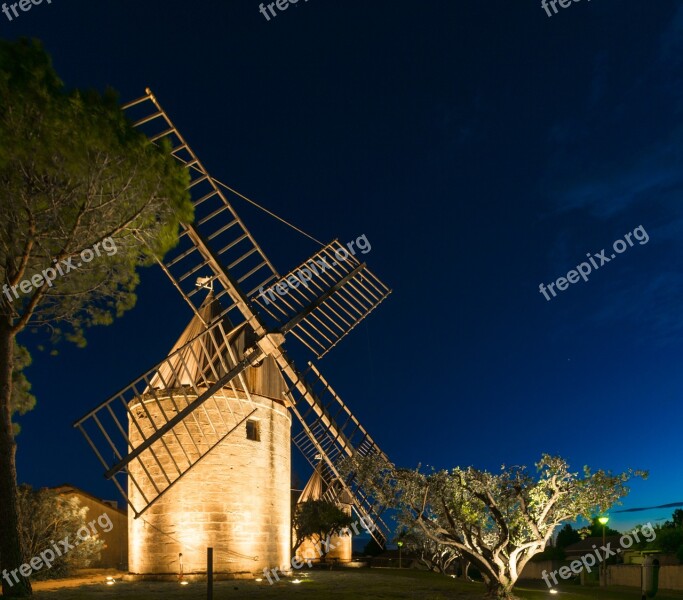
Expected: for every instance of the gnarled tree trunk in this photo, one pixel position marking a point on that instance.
(499, 586)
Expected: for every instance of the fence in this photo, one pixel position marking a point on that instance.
(670, 576)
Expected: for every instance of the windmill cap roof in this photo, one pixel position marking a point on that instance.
(200, 359)
(316, 488)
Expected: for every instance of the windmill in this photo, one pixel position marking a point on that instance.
(230, 363)
(340, 546)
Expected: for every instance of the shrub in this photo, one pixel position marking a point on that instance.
(47, 517)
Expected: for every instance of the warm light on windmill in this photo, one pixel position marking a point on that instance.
(215, 417)
(205, 282)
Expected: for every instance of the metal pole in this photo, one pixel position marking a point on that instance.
(642, 581)
(209, 574)
(604, 564)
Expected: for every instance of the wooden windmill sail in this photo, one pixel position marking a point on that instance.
(219, 250)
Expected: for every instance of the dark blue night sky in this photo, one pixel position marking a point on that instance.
(483, 148)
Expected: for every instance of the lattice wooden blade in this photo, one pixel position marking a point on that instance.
(171, 430)
(329, 431)
(157, 428)
(217, 246)
(323, 299)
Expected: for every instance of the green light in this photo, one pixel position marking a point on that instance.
(400, 544)
(603, 520)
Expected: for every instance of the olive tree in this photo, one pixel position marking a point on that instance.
(47, 516)
(435, 556)
(497, 521)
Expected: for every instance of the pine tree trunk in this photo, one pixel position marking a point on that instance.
(10, 544)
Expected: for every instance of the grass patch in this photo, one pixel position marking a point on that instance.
(341, 584)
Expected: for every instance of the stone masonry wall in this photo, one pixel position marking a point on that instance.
(236, 500)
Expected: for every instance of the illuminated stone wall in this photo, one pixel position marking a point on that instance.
(236, 500)
(341, 546)
(342, 550)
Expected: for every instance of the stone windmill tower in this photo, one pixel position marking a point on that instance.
(340, 547)
(199, 445)
(237, 499)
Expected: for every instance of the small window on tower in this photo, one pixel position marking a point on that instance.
(253, 430)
